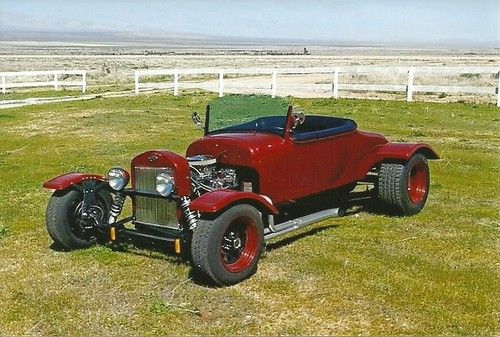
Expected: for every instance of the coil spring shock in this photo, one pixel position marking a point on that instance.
(189, 216)
(116, 207)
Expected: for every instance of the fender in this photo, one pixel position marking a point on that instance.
(403, 151)
(69, 179)
(215, 201)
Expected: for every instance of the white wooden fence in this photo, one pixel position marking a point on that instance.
(37, 81)
(409, 87)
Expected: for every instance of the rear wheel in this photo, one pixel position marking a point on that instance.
(65, 223)
(405, 187)
(228, 248)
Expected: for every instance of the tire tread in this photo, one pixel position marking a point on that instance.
(390, 184)
(393, 184)
(199, 248)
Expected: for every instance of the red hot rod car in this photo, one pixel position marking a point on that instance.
(254, 175)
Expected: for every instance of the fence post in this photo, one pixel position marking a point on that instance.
(498, 89)
(3, 84)
(409, 87)
(335, 84)
(273, 84)
(84, 81)
(56, 83)
(221, 83)
(136, 81)
(176, 84)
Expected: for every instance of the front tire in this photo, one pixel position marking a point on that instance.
(405, 187)
(63, 218)
(228, 248)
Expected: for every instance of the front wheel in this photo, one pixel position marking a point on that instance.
(405, 187)
(65, 223)
(228, 248)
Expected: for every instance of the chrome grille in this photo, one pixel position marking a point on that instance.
(153, 211)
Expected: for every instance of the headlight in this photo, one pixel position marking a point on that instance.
(164, 184)
(118, 178)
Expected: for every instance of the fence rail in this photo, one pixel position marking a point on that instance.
(409, 87)
(56, 82)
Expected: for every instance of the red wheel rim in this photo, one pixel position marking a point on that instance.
(418, 182)
(239, 245)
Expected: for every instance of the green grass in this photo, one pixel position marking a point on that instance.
(436, 273)
(63, 91)
(37, 93)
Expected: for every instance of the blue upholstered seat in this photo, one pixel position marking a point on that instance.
(315, 127)
(274, 124)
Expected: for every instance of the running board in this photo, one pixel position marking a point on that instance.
(291, 225)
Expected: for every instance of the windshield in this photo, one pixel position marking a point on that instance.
(247, 113)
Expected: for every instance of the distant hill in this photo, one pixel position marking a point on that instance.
(132, 37)
(181, 40)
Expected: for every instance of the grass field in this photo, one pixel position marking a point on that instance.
(436, 273)
(63, 92)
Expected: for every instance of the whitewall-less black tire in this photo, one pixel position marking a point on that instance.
(62, 220)
(228, 248)
(404, 187)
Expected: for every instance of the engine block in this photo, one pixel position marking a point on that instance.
(207, 175)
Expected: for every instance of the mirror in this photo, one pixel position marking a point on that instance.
(298, 118)
(196, 119)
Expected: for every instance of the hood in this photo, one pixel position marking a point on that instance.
(237, 149)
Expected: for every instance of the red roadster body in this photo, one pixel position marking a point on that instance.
(251, 177)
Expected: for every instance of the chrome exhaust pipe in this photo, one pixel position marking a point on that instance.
(294, 224)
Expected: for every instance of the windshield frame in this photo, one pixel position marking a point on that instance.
(247, 113)
(275, 124)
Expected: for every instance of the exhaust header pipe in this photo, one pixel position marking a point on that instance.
(294, 224)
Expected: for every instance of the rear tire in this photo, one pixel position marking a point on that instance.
(227, 249)
(62, 218)
(404, 187)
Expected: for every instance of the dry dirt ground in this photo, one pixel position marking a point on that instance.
(111, 70)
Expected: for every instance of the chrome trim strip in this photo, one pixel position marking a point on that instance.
(294, 224)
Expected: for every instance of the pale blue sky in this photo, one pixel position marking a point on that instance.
(378, 21)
